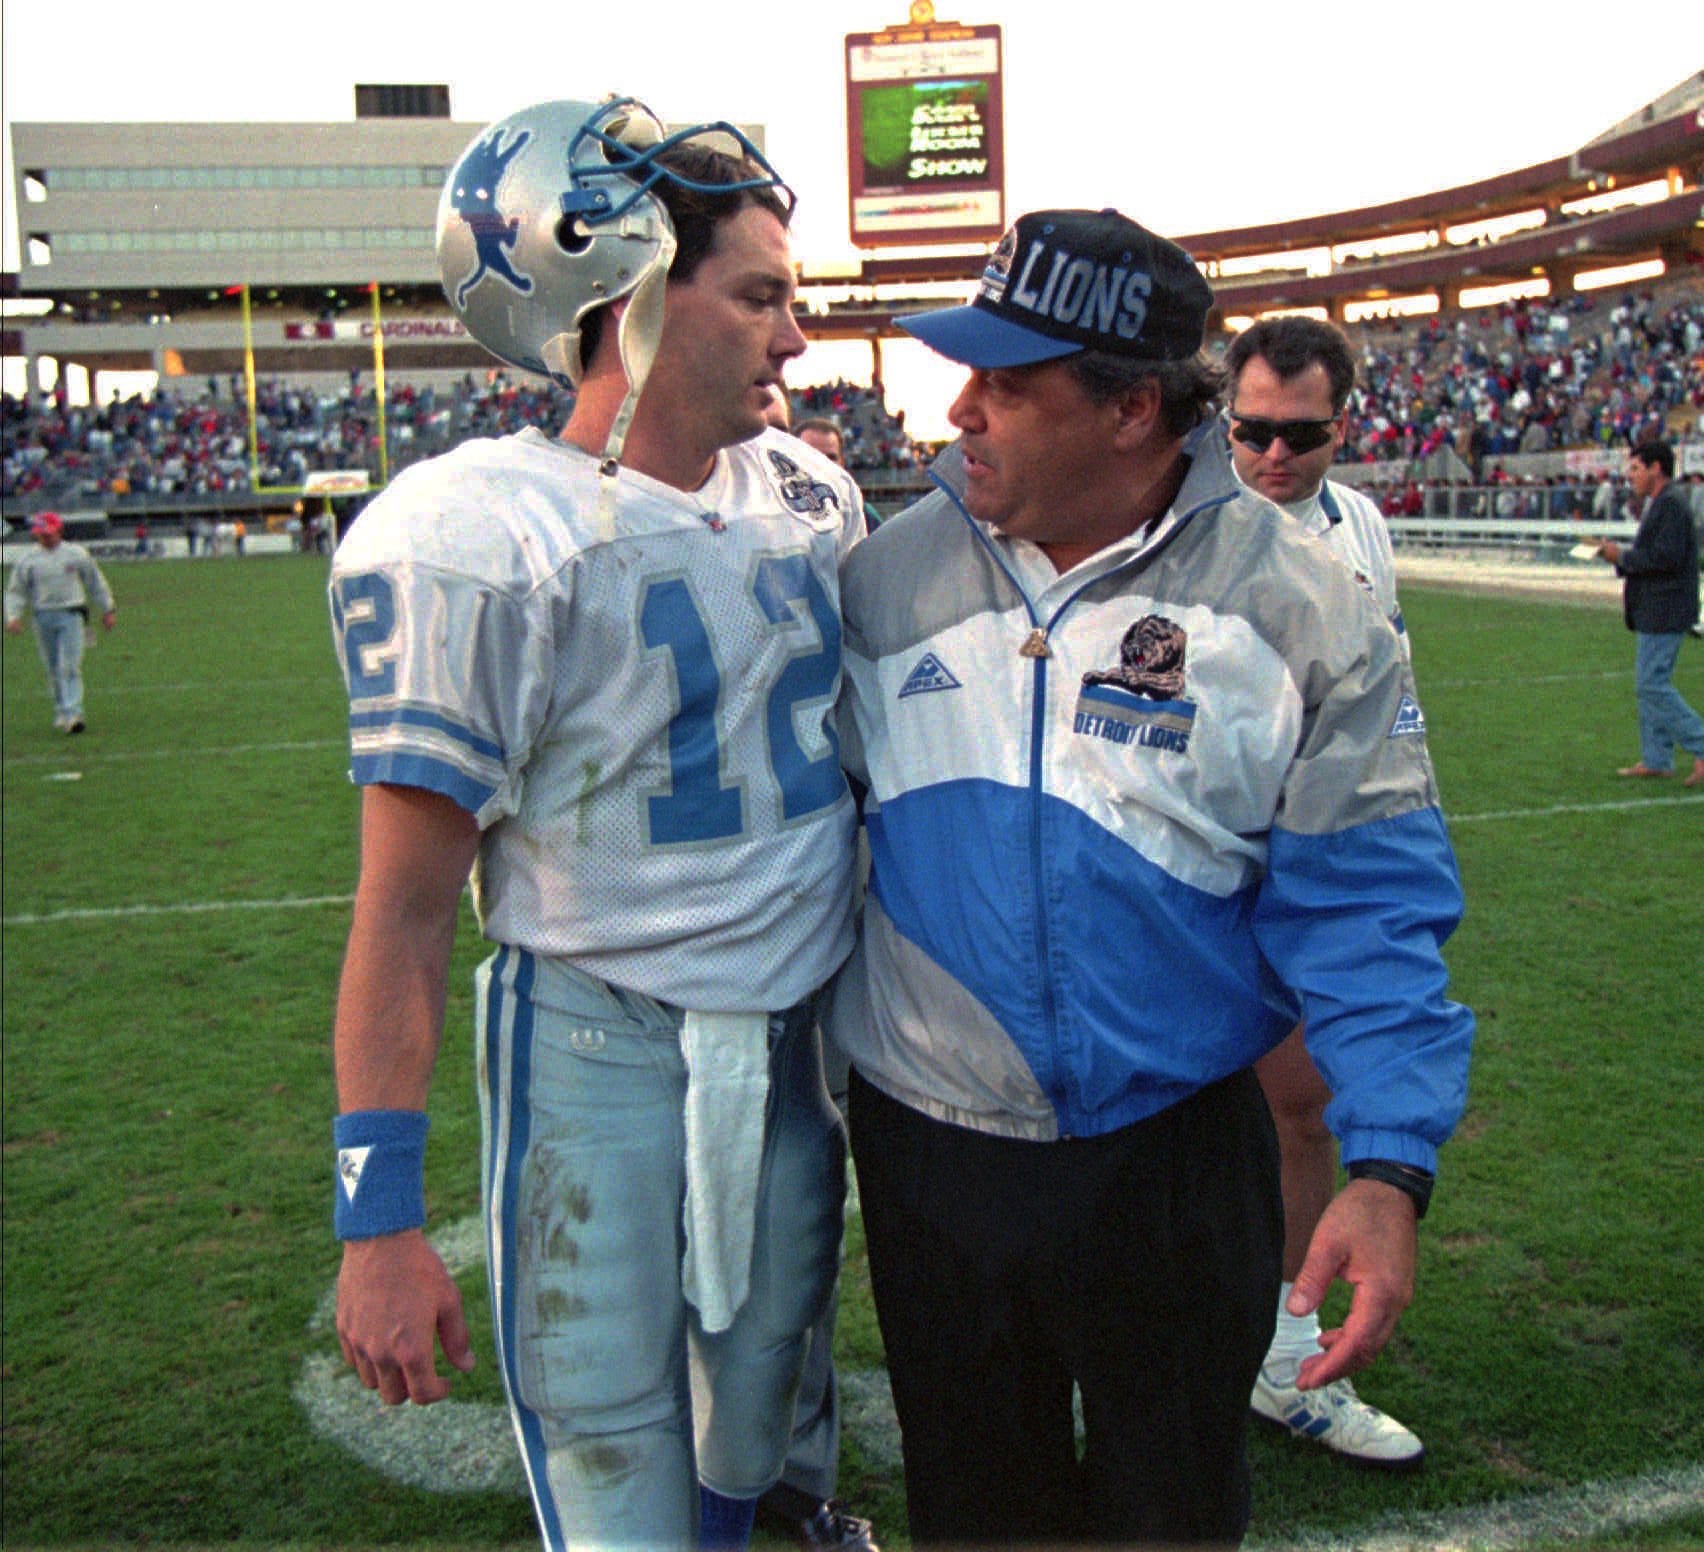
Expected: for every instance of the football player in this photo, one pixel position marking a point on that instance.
(598, 668)
(1289, 390)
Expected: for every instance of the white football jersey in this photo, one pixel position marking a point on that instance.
(1354, 530)
(642, 725)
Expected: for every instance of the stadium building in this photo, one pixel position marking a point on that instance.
(202, 252)
(138, 239)
(173, 248)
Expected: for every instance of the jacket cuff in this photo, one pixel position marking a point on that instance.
(1399, 1147)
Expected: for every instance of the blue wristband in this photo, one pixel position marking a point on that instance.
(381, 1166)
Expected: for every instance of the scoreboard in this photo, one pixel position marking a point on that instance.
(925, 155)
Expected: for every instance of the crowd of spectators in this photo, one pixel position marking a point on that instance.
(171, 445)
(871, 436)
(1530, 376)
(1600, 499)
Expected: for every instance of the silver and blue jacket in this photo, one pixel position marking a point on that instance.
(1128, 823)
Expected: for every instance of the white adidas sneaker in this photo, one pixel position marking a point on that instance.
(1333, 1415)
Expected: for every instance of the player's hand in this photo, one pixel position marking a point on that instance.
(393, 1297)
(110, 618)
(1366, 1237)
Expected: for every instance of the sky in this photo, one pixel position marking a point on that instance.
(1186, 117)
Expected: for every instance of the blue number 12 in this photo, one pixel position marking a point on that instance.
(699, 806)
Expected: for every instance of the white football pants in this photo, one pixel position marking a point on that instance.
(621, 1402)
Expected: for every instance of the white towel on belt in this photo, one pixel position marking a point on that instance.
(727, 1089)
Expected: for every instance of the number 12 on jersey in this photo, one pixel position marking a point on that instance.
(699, 805)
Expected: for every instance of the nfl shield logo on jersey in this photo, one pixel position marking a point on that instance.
(801, 493)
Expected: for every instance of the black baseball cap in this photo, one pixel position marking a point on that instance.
(1061, 281)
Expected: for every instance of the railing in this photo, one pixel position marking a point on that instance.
(1546, 534)
(1551, 518)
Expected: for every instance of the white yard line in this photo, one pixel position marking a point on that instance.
(82, 754)
(1497, 816)
(175, 908)
(306, 902)
(1502, 680)
(212, 687)
(463, 1447)
(1571, 1514)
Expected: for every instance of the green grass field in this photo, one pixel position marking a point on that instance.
(176, 888)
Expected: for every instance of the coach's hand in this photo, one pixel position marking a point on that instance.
(393, 1297)
(1366, 1237)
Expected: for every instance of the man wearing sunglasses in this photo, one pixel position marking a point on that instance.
(1288, 394)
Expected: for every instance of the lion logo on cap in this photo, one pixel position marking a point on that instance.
(999, 269)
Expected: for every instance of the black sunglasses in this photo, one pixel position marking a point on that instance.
(1300, 436)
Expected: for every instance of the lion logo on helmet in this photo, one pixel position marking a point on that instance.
(474, 198)
(1150, 660)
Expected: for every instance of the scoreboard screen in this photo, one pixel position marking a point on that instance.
(924, 149)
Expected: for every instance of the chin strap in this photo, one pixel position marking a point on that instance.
(638, 335)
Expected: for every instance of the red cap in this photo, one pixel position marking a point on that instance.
(47, 522)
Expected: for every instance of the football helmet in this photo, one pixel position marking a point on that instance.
(550, 213)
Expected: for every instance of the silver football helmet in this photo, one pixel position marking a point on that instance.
(551, 213)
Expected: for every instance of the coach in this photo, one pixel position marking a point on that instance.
(1138, 753)
(1660, 602)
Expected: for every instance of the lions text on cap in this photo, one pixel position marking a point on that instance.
(1070, 288)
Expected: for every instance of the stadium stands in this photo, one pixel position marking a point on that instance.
(151, 452)
(1531, 377)
(1487, 389)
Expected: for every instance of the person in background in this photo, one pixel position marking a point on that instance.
(57, 583)
(1289, 386)
(1660, 605)
(827, 438)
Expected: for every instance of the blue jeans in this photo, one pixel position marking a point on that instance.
(1665, 720)
(59, 635)
(621, 1401)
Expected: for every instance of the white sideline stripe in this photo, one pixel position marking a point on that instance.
(1567, 1514)
(457, 1447)
(84, 756)
(180, 908)
(1494, 816)
(301, 902)
(211, 686)
(1505, 681)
